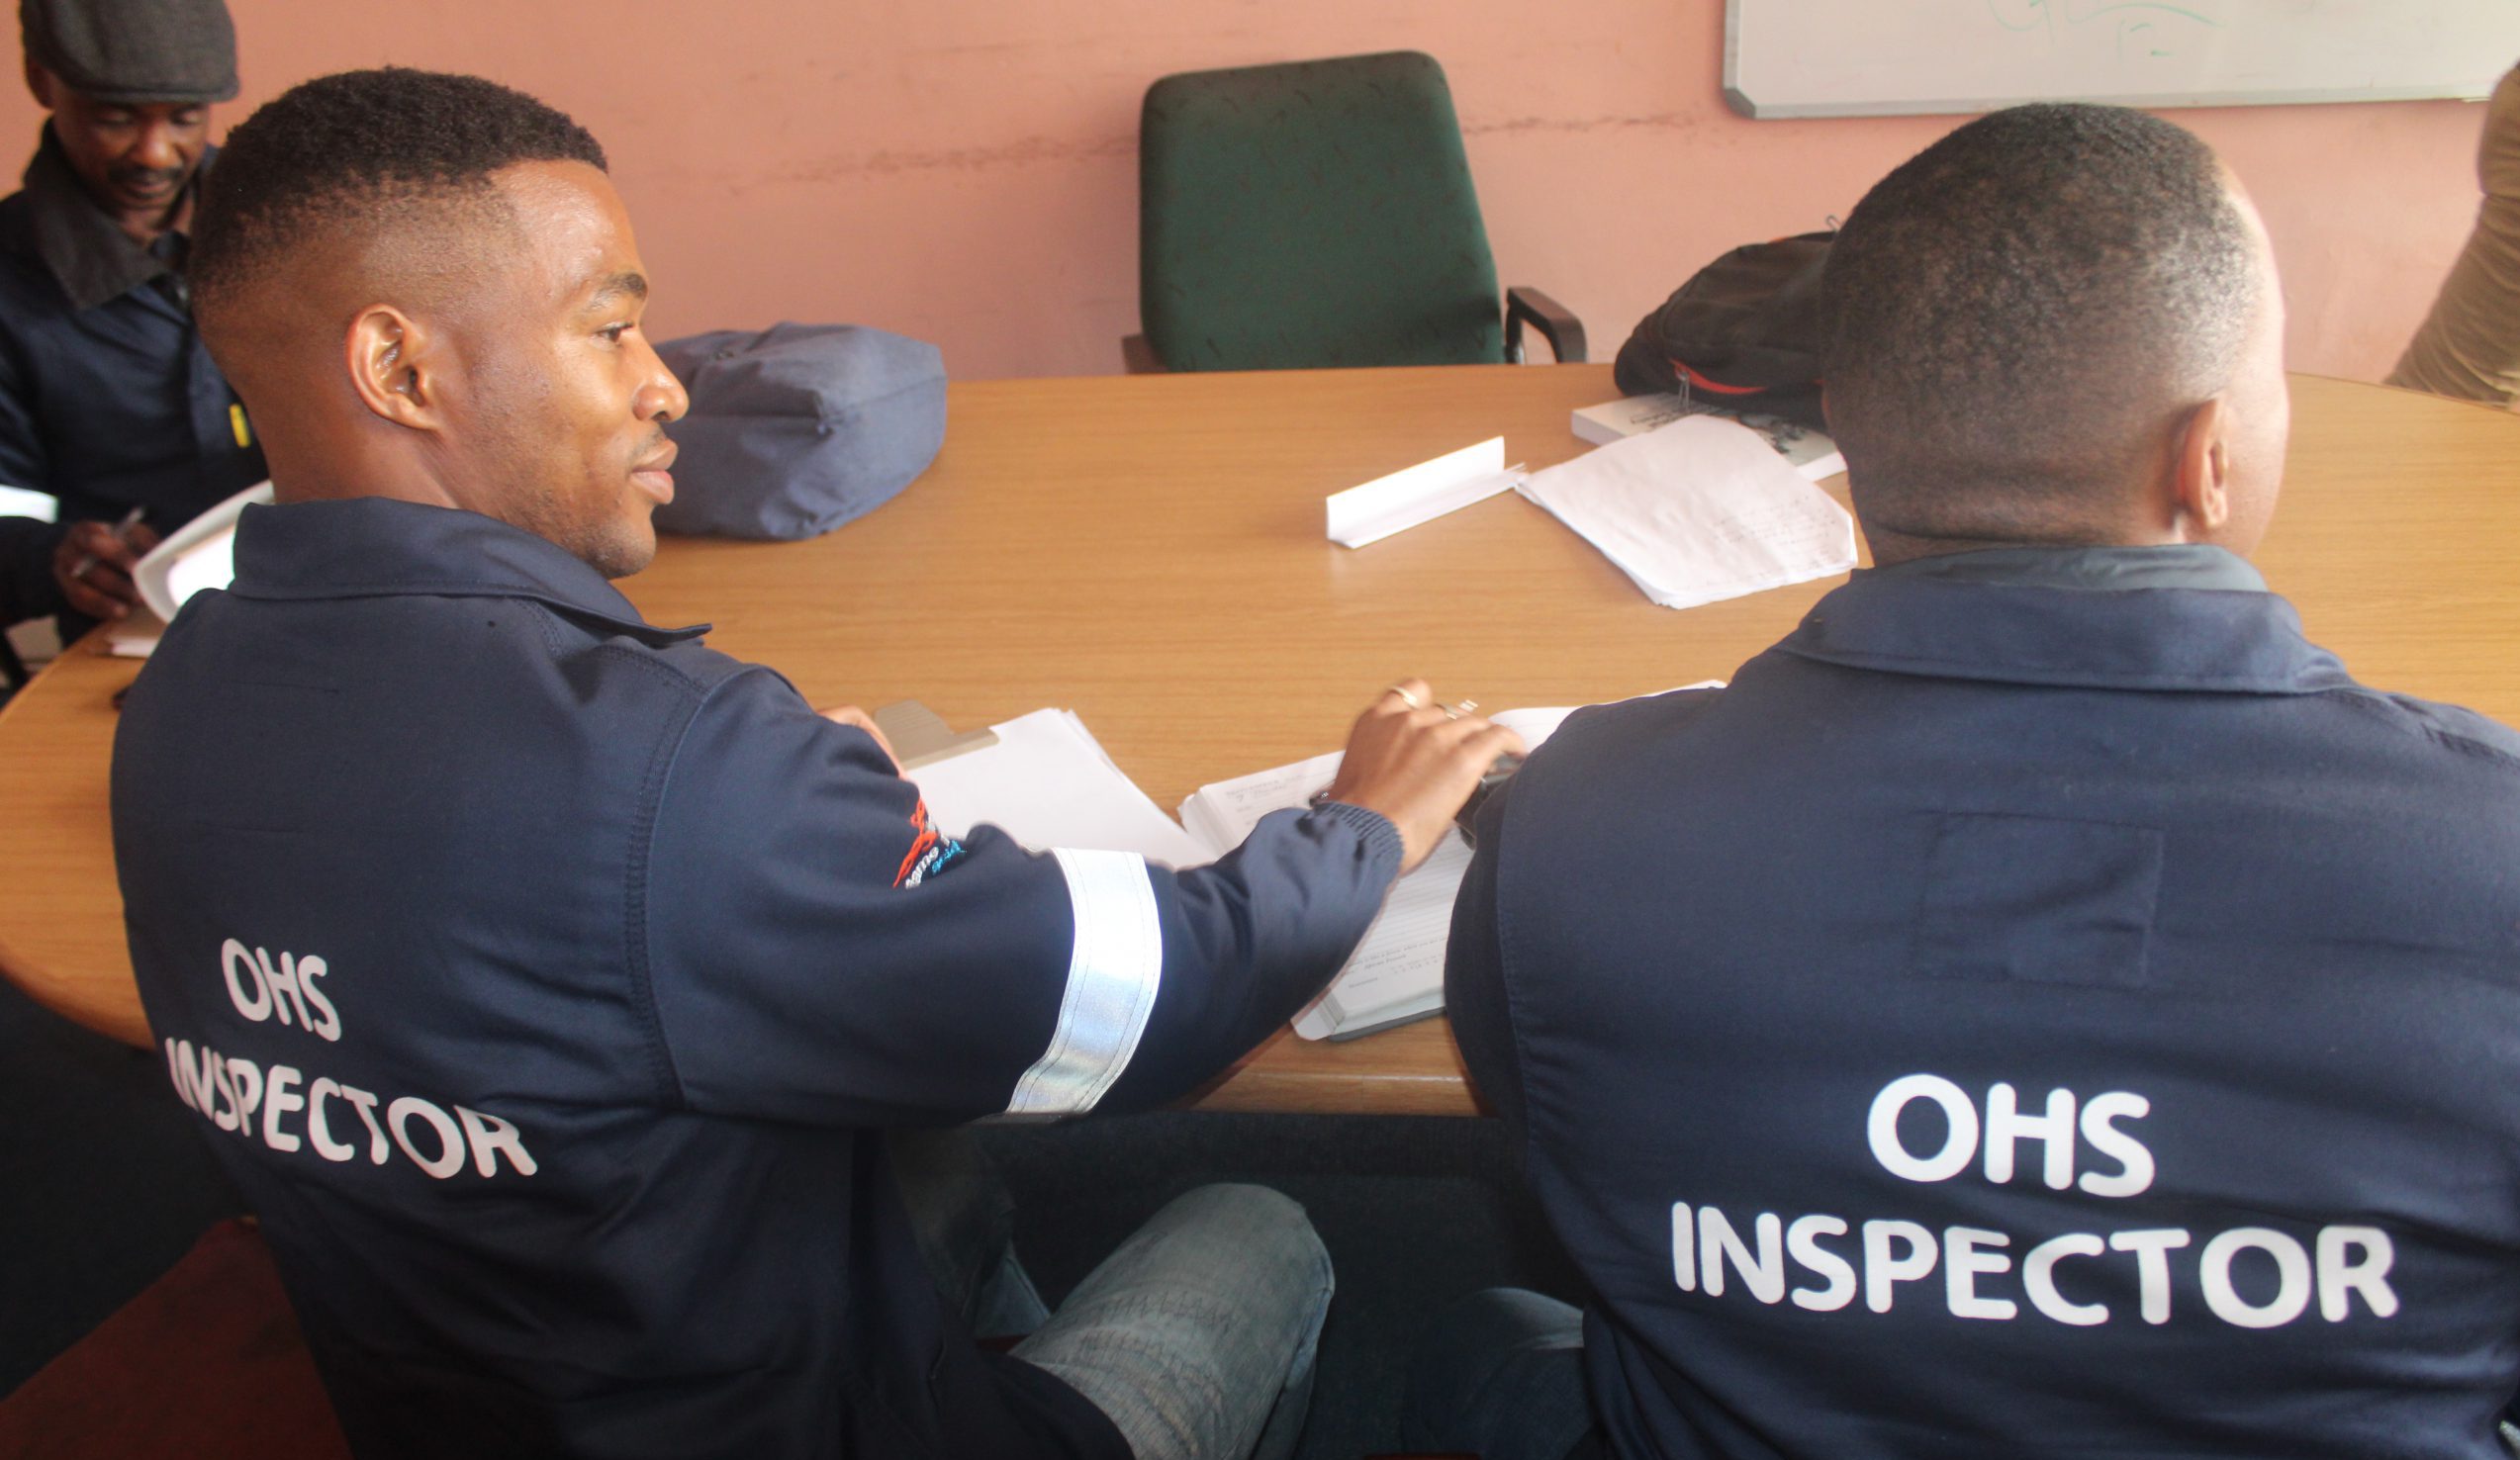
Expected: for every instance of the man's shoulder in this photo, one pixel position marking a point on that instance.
(21, 266)
(1599, 732)
(17, 222)
(2446, 729)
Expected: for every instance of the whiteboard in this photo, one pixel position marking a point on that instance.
(1876, 58)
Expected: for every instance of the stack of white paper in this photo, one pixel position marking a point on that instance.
(201, 554)
(1048, 784)
(136, 634)
(1813, 453)
(1396, 973)
(1699, 511)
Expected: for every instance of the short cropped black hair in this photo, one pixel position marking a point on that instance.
(2010, 317)
(352, 147)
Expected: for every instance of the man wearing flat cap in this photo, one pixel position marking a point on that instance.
(108, 402)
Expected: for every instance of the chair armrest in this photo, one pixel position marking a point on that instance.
(1137, 356)
(1564, 331)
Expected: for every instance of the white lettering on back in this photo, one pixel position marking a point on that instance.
(451, 1140)
(2054, 1131)
(2292, 1278)
(1882, 1271)
(231, 957)
(2152, 1247)
(2038, 1279)
(1958, 1146)
(489, 1136)
(2340, 1279)
(1763, 1272)
(277, 1101)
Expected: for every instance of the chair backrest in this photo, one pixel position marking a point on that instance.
(1312, 214)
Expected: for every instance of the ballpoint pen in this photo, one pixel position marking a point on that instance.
(130, 519)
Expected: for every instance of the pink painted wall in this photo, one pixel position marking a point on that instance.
(965, 170)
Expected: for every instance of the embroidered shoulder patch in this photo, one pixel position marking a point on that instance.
(930, 849)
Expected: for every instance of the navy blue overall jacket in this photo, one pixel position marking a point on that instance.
(2043, 1006)
(542, 978)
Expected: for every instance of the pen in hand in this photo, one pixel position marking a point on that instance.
(130, 519)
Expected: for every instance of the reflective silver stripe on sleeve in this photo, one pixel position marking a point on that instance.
(1113, 972)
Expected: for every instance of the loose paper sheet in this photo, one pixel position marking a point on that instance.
(1048, 784)
(1697, 510)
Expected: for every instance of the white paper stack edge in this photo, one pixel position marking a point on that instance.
(1811, 452)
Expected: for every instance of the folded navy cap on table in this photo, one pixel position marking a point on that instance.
(798, 428)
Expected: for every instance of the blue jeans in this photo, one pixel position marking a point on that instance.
(1195, 1337)
(1501, 1375)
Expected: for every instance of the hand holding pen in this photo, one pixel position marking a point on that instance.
(93, 565)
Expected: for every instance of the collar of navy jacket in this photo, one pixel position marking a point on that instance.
(2000, 615)
(371, 547)
(85, 250)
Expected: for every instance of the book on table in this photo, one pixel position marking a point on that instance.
(1810, 452)
(1396, 974)
(1044, 779)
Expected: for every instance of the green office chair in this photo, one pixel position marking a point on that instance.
(1316, 213)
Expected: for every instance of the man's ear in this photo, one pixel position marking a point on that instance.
(2201, 472)
(38, 83)
(395, 365)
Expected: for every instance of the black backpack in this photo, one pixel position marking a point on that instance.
(1743, 334)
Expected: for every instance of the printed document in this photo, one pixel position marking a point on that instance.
(1396, 974)
(1697, 510)
(1047, 783)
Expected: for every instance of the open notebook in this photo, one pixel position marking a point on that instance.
(1396, 973)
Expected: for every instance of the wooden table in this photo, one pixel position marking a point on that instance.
(1148, 552)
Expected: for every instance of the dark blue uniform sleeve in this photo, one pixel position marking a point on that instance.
(24, 462)
(816, 951)
(27, 589)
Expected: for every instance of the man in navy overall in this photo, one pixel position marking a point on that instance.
(109, 400)
(2044, 1006)
(548, 981)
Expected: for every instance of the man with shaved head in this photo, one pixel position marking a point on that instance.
(2044, 1006)
(549, 981)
